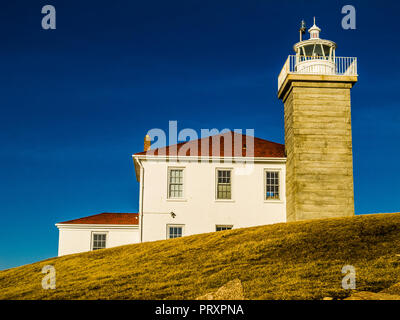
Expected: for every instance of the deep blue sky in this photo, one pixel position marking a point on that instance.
(76, 101)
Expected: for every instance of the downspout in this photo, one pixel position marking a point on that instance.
(141, 198)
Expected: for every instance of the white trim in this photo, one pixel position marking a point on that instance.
(176, 200)
(274, 201)
(96, 226)
(213, 158)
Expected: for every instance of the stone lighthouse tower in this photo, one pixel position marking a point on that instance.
(315, 85)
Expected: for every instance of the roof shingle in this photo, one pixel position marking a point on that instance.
(204, 147)
(107, 218)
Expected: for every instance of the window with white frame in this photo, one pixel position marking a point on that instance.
(223, 227)
(175, 183)
(99, 241)
(272, 186)
(224, 184)
(174, 231)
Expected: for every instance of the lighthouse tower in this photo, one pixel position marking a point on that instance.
(315, 85)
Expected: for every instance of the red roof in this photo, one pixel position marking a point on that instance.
(107, 218)
(262, 148)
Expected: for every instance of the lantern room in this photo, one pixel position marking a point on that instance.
(315, 55)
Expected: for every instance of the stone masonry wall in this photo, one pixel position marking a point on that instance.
(319, 178)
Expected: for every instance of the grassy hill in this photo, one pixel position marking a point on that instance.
(300, 260)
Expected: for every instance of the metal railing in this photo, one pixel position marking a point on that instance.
(341, 66)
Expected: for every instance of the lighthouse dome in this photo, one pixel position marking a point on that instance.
(314, 31)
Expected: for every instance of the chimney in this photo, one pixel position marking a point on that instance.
(147, 142)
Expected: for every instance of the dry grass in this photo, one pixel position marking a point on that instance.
(301, 260)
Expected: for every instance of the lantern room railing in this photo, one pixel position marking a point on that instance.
(296, 64)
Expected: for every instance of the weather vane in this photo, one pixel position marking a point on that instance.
(302, 29)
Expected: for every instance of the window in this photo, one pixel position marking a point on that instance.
(224, 184)
(272, 185)
(174, 231)
(223, 227)
(99, 241)
(175, 183)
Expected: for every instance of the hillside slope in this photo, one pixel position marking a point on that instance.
(300, 260)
